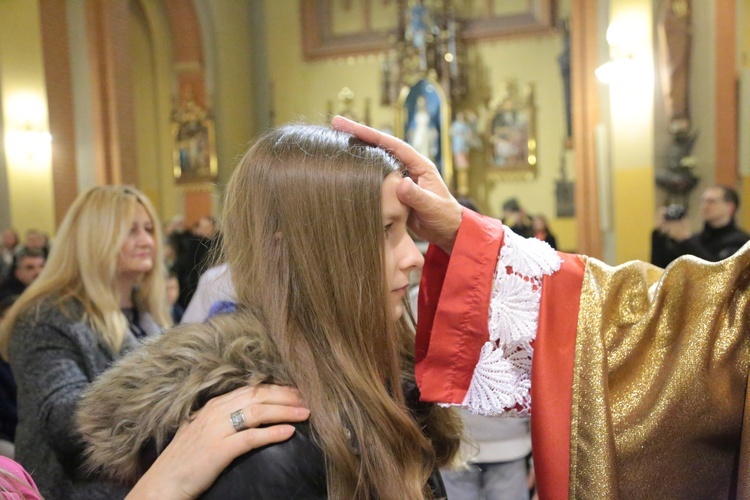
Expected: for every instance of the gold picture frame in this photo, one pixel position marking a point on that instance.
(194, 152)
(320, 40)
(423, 119)
(511, 141)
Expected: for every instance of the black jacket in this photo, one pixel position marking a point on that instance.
(8, 405)
(711, 244)
(11, 286)
(292, 469)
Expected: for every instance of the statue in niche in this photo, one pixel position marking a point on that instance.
(674, 39)
(674, 42)
(563, 60)
(463, 138)
(423, 134)
(194, 153)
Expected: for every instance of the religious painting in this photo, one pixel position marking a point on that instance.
(511, 132)
(336, 28)
(194, 152)
(423, 120)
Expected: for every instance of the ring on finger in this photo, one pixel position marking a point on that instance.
(238, 420)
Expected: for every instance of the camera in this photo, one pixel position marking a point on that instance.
(675, 212)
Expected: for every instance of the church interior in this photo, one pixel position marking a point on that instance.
(593, 113)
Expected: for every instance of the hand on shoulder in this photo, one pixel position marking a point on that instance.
(207, 444)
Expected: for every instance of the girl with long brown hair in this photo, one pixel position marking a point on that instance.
(320, 257)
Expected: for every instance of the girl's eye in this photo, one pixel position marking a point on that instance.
(387, 229)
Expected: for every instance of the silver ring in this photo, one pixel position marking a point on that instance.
(238, 420)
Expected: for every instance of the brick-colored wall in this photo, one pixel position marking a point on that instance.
(60, 104)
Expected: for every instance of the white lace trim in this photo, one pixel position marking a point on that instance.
(501, 383)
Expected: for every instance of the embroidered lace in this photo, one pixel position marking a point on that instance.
(501, 382)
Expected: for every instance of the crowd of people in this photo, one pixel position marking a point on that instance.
(309, 304)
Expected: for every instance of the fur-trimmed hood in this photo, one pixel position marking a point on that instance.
(140, 402)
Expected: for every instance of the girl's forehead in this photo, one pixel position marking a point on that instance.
(392, 206)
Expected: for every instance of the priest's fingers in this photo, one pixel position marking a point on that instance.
(417, 164)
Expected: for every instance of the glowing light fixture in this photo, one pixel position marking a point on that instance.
(623, 37)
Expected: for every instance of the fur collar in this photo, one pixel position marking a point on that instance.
(142, 400)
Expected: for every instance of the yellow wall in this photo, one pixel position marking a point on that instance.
(152, 79)
(302, 90)
(24, 105)
(227, 54)
(233, 91)
(632, 132)
(507, 60)
(633, 210)
(743, 49)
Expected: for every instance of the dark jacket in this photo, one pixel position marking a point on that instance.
(11, 286)
(711, 244)
(231, 350)
(8, 405)
(55, 355)
(192, 254)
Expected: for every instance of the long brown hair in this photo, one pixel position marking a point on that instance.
(304, 242)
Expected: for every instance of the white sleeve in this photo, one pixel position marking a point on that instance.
(214, 285)
(501, 382)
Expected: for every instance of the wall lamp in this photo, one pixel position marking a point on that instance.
(27, 144)
(623, 38)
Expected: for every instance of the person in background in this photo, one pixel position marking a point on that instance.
(719, 238)
(214, 287)
(541, 230)
(15, 482)
(8, 404)
(8, 247)
(467, 202)
(27, 267)
(37, 240)
(173, 291)
(192, 256)
(516, 218)
(101, 292)
(205, 227)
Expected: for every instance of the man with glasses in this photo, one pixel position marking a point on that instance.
(719, 239)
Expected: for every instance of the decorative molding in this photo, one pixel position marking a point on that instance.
(319, 41)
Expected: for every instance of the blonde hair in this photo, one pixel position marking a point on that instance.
(305, 248)
(82, 265)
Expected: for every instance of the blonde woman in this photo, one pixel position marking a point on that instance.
(101, 291)
(319, 255)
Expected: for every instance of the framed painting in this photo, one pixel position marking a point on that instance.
(423, 119)
(511, 133)
(341, 28)
(502, 18)
(332, 28)
(194, 154)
